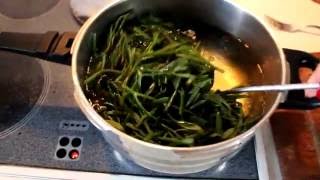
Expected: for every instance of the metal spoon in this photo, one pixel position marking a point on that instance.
(310, 29)
(277, 87)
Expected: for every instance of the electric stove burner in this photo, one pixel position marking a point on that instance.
(22, 9)
(23, 86)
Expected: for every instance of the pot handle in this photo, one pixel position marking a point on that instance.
(296, 99)
(50, 46)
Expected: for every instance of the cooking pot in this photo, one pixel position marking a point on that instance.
(269, 66)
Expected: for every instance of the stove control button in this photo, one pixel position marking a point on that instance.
(61, 153)
(64, 141)
(76, 142)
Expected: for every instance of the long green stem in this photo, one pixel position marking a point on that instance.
(150, 81)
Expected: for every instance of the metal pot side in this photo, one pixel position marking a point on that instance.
(221, 13)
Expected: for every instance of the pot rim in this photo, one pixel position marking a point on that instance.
(104, 126)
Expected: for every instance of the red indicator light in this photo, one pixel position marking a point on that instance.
(73, 154)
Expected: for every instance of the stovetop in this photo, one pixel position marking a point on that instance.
(40, 123)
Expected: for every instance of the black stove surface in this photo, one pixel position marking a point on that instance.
(40, 121)
(22, 90)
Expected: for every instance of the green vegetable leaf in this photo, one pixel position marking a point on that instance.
(116, 125)
(149, 80)
(190, 126)
(229, 133)
(218, 123)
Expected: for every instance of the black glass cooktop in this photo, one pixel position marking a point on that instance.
(22, 83)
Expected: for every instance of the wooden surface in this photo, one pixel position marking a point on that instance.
(316, 1)
(295, 145)
(318, 53)
(315, 114)
(297, 140)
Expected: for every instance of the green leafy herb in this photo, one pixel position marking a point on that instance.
(150, 81)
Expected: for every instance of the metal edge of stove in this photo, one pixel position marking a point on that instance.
(266, 156)
(10, 172)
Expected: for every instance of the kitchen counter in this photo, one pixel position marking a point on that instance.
(298, 12)
(30, 152)
(294, 150)
(296, 134)
(285, 10)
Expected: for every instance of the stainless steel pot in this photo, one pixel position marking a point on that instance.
(227, 16)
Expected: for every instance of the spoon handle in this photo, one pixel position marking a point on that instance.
(283, 87)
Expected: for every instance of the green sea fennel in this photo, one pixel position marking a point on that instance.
(150, 81)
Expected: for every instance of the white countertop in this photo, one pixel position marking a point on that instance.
(300, 12)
